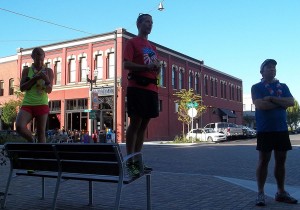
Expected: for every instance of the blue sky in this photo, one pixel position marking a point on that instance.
(233, 36)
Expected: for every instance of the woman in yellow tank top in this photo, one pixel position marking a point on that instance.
(36, 82)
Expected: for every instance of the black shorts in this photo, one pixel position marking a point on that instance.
(268, 141)
(141, 102)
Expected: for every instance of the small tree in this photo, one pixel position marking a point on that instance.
(185, 97)
(10, 109)
(293, 116)
(9, 112)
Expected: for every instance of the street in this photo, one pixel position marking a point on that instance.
(185, 177)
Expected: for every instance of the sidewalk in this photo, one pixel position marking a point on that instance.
(183, 179)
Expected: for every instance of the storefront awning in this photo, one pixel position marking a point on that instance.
(227, 112)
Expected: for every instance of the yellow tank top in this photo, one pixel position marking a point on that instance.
(37, 94)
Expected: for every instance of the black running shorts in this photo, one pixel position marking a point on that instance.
(141, 102)
(268, 141)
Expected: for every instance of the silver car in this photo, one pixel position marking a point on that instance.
(206, 134)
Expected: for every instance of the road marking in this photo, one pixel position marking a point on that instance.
(270, 189)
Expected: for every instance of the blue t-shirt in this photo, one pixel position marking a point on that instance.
(273, 119)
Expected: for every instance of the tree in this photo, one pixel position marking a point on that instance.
(9, 112)
(185, 98)
(293, 116)
(10, 108)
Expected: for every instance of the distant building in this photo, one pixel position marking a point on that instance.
(248, 111)
(71, 101)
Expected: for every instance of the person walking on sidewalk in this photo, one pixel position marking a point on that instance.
(36, 81)
(271, 99)
(140, 59)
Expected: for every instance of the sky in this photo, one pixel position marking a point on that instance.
(232, 36)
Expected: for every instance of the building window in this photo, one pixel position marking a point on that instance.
(99, 65)
(55, 105)
(216, 88)
(162, 77)
(221, 88)
(181, 80)
(191, 80)
(160, 108)
(232, 92)
(211, 87)
(225, 90)
(75, 104)
(72, 70)
(48, 65)
(1, 88)
(83, 68)
(111, 65)
(240, 91)
(174, 78)
(11, 86)
(176, 107)
(206, 85)
(197, 89)
(57, 73)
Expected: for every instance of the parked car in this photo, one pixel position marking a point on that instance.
(206, 134)
(229, 129)
(297, 130)
(249, 132)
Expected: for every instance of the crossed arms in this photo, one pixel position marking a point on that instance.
(272, 102)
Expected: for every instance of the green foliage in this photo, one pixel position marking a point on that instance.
(10, 108)
(182, 139)
(293, 116)
(10, 138)
(9, 111)
(185, 97)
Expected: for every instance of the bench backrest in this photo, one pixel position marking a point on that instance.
(104, 159)
(31, 156)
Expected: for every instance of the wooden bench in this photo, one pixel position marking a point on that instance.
(88, 162)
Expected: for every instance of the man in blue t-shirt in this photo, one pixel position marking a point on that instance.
(271, 99)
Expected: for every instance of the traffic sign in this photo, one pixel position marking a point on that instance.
(92, 115)
(192, 112)
(192, 104)
(90, 110)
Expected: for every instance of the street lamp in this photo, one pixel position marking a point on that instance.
(91, 81)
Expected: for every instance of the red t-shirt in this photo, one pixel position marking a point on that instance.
(140, 51)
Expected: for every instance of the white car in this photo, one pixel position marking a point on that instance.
(206, 134)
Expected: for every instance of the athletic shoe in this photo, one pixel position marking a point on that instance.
(133, 170)
(285, 197)
(260, 200)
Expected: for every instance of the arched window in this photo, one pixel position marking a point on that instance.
(11, 86)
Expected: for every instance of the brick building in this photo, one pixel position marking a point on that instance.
(73, 96)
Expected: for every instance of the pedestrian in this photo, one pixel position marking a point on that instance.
(140, 59)
(36, 82)
(271, 99)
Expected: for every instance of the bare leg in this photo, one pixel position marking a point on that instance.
(22, 121)
(131, 133)
(41, 122)
(262, 170)
(141, 135)
(279, 170)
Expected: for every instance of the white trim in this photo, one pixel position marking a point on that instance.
(9, 58)
(97, 52)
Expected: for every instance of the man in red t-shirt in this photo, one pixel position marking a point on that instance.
(142, 92)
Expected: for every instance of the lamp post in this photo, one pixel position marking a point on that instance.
(91, 81)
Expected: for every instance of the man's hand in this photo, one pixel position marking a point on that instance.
(155, 66)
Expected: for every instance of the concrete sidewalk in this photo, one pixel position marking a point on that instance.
(189, 177)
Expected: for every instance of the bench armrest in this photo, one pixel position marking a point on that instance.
(136, 156)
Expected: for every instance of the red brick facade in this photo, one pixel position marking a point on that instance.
(70, 98)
